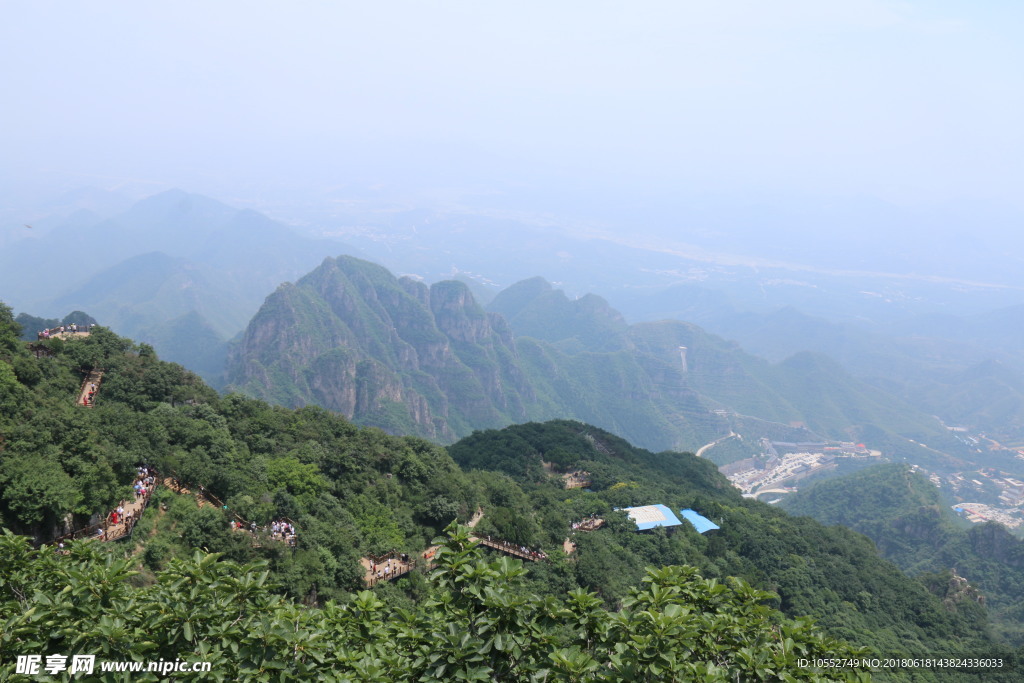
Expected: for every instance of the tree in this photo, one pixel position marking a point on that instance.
(476, 623)
(37, 490)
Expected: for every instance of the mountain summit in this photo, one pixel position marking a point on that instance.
(388, 352)
(394, 353)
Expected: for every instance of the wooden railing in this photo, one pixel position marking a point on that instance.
(512, 549)
(106, 530)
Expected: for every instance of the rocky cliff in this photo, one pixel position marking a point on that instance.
(384, 351)
(428, 360)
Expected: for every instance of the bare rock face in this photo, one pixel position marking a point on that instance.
(960, 591)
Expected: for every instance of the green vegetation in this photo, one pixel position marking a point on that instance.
(393, 353)
(355, 491)
(902, 512)
(833, 574)
(350, 490)
(475, 622)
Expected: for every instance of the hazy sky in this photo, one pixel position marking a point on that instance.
(910, 102)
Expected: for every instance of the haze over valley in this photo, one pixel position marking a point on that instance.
(348, 276)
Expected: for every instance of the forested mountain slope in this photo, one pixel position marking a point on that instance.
(475, 622)
(902, 512)
(353, 491)
(967, 369)
(855, 595)
(394, 353)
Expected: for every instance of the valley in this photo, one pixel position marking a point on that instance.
(562, 342)
(429, 363)
(775, 472)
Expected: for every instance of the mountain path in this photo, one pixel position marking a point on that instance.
(398, 567)
(702, 449)
(92, 381)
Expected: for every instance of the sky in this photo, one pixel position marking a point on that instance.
(916, 104)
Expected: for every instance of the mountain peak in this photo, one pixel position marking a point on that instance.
(514, 298)
(175, 205)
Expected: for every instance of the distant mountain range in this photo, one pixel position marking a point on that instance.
(395, 353)
(968, 369)
(180, 271)
(186, 273)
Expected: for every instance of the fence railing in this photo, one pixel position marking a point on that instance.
(106, 530)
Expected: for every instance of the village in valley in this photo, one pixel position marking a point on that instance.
(782, 464)
(984, 495)
(990, 495)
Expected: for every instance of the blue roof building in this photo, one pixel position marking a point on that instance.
(651, 516)
(699, 522)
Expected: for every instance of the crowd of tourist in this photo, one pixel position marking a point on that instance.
(279, 529)
(144, 482)
(589, 524)
(120, 520)
(73, 328)
(282, 530)
(515, 549)
(390, 566)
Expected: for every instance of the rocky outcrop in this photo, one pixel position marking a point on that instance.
(385, 351)
(428, 360)
(960, 591)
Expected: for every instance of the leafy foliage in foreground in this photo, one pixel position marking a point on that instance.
(354, 491)
(475, 624)
(832, 573)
